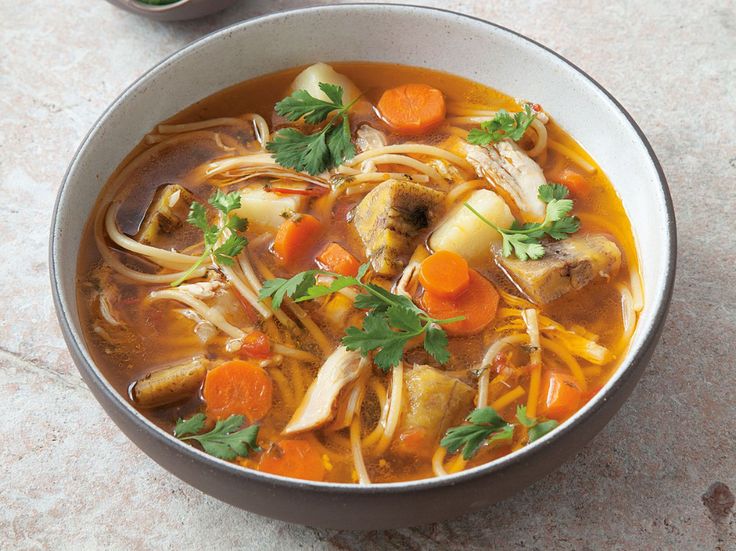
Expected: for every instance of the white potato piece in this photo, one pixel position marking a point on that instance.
(310, 78)
(265, 209)
(464, 233)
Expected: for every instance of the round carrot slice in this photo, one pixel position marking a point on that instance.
(445, 274)
(293, 458)
(238, 387)
(412, 108)
(478, 304)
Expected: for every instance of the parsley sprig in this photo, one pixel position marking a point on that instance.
(392, 320)
(503, 125)
(523, 239)
(485, 425)
(322, 150)
(232, 246)
(226, 440)
(535, 428)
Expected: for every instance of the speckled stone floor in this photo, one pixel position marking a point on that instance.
(660, 476)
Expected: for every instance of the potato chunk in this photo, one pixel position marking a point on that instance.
(266, 210)
(310, 78)
(462, 232)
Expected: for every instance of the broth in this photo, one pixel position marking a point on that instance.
(146, 335)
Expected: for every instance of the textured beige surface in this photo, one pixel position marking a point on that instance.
(70, 479)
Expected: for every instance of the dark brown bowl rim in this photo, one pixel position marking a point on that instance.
(625, 370)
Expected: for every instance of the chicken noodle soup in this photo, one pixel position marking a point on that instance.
(359, 273)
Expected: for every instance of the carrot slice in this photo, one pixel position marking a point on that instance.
(444, 274)
(296, 236)
(560, 396)
(336, 259)
(575, 182)
(293, 458)
(412, 108)
(238, 387)
(478, 304)
(414, 442)
(256, 345)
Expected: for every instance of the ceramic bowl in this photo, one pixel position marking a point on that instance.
(424, 37)
(176, 11)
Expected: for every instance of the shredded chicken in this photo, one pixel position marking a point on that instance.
(508, 167)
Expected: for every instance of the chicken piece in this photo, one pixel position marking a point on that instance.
(462, 232)
(318, 405)
(388, 219)
(168, 210)
(566, 266)
(367, 138)
(170, 384)
(436, 401)
(509, 168)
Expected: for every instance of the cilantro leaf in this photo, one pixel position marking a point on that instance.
(193, 425)
(225, 202)
(435, 343)
(485, 425)
(212, 233)
(535, 429)
(522, 240)
(503, 125)
(226, 440)
(295, 287)
(321, 150)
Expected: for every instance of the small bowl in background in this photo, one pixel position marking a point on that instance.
(176, 11)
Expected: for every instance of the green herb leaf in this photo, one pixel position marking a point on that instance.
(485, 424)
(190, 426)
(392, 320)
(295, 287)
(522, 240)
(211, 233)
(536, 429)
(226, 440)
(503, 125)
(321, 150)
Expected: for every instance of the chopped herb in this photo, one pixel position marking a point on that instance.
(325, 148)
(226, 441)
(392, 320)
(503, 125)
(485, 424)
(535, 429)
(232, 246)
(523, 239)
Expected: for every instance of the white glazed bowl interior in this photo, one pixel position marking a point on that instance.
(427, 38)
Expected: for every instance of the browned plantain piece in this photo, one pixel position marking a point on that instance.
(388, 219)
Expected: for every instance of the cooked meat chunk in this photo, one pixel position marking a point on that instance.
(368, 138)
(169, 209)
(390, 217)
(170, 384)
(436, 401)
(318, 406)
(509, 168)
(566, 266)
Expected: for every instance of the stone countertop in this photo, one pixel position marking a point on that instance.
(657, 476)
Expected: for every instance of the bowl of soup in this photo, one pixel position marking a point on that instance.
(363, 283)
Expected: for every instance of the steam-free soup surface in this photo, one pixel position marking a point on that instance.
(185, 329)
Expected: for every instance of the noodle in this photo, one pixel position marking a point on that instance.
(509, 398)
(438, 462)
(570, 154)
(355, 443)
(394, 411)
(418, 149)
(532, 327)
